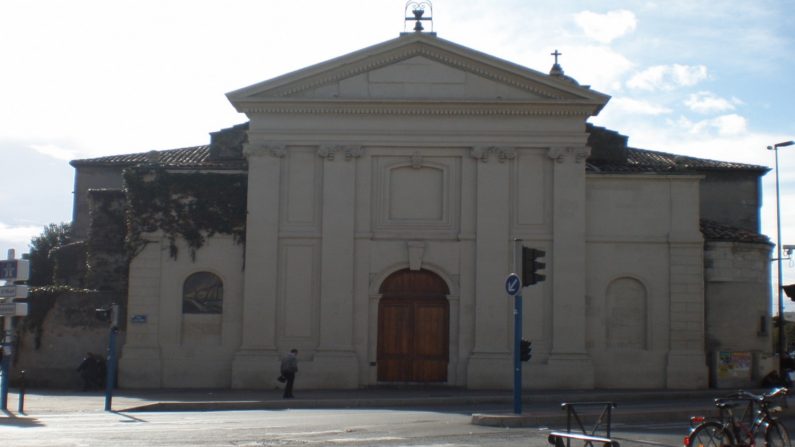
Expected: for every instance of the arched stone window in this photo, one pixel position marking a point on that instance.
(202, 293)
(626, 314)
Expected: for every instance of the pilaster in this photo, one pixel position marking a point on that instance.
(492, 257)
(140, 365)
(686, 359)
(257, 356)
(337, 247)
(335, 351)
(569, 364)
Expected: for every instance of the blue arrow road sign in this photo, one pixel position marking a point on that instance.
(15, 269)
(513, 284)
(8, 269)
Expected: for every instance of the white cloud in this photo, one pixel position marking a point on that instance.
(17, 237)
(732, 124)
(54, 151)
(724, 125)
(606, 27)
(708, 102)
(596, 65)
(668, 77)
(637, 107)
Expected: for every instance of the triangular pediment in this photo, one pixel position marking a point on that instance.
(418, 67)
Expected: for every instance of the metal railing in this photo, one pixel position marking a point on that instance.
(587, 436)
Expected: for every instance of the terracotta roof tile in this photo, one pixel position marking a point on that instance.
(643, 160)
(609, 155)
(714, 231)
(185, 158)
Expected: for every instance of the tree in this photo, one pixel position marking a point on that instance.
(42, 265)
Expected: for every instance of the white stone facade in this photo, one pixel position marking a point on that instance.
(420, 154)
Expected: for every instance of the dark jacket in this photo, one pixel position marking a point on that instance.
(289, 364)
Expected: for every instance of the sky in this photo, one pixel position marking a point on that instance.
(88, 78)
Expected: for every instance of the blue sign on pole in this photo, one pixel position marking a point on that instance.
(513, 284)
(15, 269)
(8, 269)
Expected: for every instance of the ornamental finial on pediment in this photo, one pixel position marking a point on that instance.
(418, 14)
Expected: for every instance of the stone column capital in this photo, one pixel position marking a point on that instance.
(561, 154)
(330, 151)
(502, 154)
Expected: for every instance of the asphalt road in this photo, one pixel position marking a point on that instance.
(358, 427)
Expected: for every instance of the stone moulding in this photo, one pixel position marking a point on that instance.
(445, 57)
(436, 108)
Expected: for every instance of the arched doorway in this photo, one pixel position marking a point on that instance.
(413, 328)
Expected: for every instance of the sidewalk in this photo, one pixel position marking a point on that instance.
(540, 408)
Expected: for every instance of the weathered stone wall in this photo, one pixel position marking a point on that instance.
(86, 178)
(732, 198)
(50, 356)
(737, 306)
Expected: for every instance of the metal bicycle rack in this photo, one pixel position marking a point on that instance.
(589, 437)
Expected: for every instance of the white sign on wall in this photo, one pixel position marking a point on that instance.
(13, 309)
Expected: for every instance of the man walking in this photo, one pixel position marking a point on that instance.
(288, 370)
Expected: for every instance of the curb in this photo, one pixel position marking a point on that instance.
(511, 420)
(279, 404)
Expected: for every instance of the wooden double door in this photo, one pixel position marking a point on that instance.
(413, 328)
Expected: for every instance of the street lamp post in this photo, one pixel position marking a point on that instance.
(781, 348)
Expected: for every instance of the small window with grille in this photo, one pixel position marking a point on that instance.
(202, 293)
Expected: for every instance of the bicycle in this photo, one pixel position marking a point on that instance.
(759, 419)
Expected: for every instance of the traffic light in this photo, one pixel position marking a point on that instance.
(525, 350)
(790, 291)
(531, 265)
(108, 314)
(103, 314)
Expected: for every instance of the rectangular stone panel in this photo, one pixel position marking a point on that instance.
(415, 192)
(298, 289)
(300, 188)
(530, 188)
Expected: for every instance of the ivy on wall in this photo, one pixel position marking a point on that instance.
(188, 205)
(106, 260)
(40, 301)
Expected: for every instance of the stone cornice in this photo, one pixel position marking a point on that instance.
(408, 108)
(430, 52)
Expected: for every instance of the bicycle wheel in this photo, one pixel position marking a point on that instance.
(776, 435)
(709, 434)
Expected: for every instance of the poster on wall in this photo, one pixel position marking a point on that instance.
(734, 365)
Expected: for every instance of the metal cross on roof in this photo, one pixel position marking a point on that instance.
(417, 10)
(556, 69)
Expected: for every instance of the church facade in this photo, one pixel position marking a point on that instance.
(385, 190)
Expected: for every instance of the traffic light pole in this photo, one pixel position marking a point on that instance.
(517, 332)
(112, 361)
(517, 364)
(5, 364)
